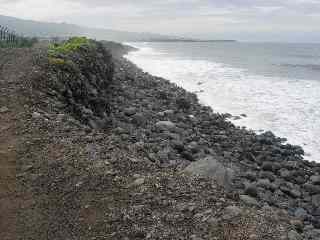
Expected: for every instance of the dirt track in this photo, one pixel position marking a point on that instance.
(13, 66)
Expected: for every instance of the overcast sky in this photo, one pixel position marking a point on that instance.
(284, 20)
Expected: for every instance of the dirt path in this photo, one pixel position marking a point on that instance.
(9, 202)
(13, 63)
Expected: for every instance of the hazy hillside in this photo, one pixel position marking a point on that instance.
(45, 29)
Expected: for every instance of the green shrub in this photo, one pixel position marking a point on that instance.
(56, 61)
(68, 46)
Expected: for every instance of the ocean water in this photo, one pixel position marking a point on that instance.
(276, 85)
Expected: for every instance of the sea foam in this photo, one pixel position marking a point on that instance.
(288, 107)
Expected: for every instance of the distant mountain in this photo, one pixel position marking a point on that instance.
(46, 29)
(187, 40)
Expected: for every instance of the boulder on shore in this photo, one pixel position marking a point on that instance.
(211, 167)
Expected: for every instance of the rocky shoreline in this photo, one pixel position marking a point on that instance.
(107, 151)
(174, 130)
(171, 129)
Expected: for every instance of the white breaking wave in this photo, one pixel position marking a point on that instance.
(287, 107)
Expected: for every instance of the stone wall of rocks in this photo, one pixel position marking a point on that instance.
(79, 82)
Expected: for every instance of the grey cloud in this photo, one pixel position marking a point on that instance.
(196, 17)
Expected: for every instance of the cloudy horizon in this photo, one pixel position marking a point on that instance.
(257, 20)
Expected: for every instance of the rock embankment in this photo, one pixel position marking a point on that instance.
(79, 82)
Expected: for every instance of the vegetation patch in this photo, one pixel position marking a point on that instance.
(69, 46)
(56, 61)
(60, 62)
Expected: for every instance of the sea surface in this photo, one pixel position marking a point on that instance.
(277, 85)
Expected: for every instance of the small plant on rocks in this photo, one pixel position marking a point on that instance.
(68, 46)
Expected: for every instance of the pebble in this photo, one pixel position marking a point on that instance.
(165, 125)
(301, 213)
(249, 200)
(130, 111)
(137, 182)
(316, 200)
(252, 191)
(4, 109)
(315, 179)
(231, 212)
(293, 235)
(298, 225)
(36, 115)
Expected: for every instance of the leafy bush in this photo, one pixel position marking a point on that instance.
(68, 46)
(56, 61)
